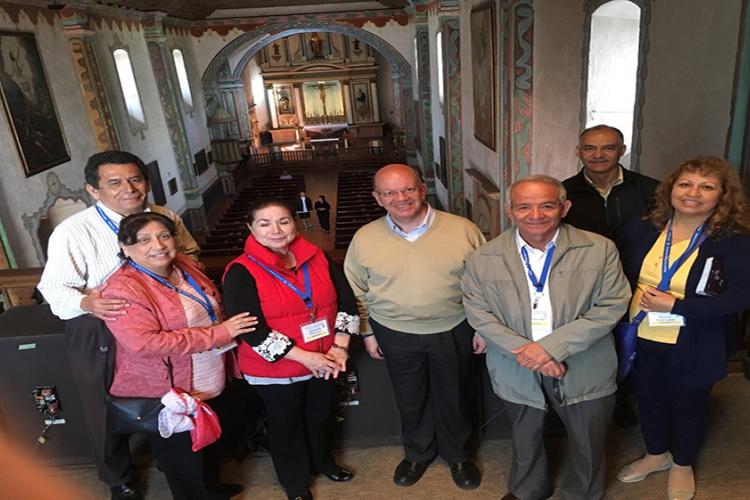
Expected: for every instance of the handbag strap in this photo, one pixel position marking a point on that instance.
(638, 317)
(107, 376)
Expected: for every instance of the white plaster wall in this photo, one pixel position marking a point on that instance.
(20, 195)
(558, 60)
(153, 143)
(475, 154)
(252, 73)
(386, 104)
(688, 91)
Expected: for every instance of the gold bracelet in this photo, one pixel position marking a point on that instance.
(346, 350)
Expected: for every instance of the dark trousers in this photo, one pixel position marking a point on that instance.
(89, 341)
(191, 475)
(299, 417)
(673, 417)
(324, 218)
(429, 374)
(586, 426)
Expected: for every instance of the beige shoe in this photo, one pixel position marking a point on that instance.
(631, 474)
(686, 492)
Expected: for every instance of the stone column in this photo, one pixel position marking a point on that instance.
(348, 103)
(375, 103)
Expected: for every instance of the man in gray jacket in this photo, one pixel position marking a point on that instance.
(545, 296)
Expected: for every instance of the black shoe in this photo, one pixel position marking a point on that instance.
(408, 473)
(230, 489)
(466, 475)
(125, 491)
(338, 474)
(624, 415)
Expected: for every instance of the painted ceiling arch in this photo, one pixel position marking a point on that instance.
(251, 42)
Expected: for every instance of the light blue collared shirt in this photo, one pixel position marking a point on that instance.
(418, 231)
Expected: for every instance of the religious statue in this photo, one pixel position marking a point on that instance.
(316, 45)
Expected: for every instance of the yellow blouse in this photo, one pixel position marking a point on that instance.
(650, 275)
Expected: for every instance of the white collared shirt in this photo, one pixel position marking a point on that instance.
(81, 254)
(540, 328)
(415, 233)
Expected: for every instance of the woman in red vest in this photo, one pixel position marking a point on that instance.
(306, 313)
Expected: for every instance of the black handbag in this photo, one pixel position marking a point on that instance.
(127, 415)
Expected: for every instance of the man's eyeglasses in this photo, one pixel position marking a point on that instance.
(408, 191)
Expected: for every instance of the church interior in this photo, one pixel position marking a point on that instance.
(229, 101)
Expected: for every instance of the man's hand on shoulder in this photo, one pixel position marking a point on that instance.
(532, 356)
(102, 308)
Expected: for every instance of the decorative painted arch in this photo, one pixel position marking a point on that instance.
(253, 41)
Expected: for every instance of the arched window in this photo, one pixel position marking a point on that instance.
(182, 78)
(613, 68)
(128, 86)
(440, 74)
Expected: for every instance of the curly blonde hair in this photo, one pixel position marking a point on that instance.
(731, 215)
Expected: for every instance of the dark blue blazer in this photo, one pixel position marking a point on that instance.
(709, 334)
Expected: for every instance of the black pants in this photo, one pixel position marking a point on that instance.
(430, 374)
(673, 417)
(89, 342)
(191, 475)
(324, 218)
(298, 430)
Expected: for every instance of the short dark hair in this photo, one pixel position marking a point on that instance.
(91, 170)
(265, 203)
(130, 225)
(602, 126)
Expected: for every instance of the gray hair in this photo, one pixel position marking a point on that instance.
(543, 179)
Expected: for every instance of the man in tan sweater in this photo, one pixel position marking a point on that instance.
(405, 269)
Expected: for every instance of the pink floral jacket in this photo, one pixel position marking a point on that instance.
(154, 329)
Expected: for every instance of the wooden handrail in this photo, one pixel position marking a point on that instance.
(13, 279)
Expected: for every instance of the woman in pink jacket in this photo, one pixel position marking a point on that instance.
(173, 315)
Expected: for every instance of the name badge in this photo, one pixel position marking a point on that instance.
(657, 319)
(315, 330)
(541, 323)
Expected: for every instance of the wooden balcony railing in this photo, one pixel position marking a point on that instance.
(370, 156)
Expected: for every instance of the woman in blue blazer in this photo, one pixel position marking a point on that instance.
(702, 218)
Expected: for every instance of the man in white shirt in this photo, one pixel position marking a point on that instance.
(82, 253)
(545, 296)
(303, 207)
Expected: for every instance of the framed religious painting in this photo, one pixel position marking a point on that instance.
(483, 71)
(29, 106)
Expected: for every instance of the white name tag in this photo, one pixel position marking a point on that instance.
(657, 319)
(541, 323)
(223, 349)
(315, 330)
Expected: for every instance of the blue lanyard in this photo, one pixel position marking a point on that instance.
(203, 300)
(306, 296)
(667, 271)
(538, 283)
(114, 227)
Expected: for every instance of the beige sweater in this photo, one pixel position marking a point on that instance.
(412, 287)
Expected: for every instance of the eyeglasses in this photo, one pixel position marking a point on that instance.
(408, 191)
(523, 209)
